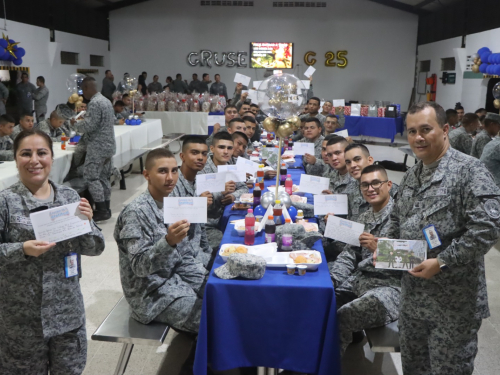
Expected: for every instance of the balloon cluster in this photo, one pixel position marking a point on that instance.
(486, 62)
(496, 95)
(9, 51)
(282, 97)
(74, 86)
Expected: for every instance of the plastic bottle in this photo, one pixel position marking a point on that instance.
(286, 237)
(277, 212)
(288, 184)
(270, 230)
(300, 216)
(249, 228)
(290, 144)
(260, 176)
(257, 192)
(283, 174)
(63, 141)
(264, 153)
(286, 143)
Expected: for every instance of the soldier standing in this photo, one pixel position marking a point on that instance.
(25, 90)
(40, 96)
(42, 314)
(443, 299)
(4, 95)
(6, 143)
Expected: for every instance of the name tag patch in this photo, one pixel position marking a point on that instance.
(492, 208)
(20, 219)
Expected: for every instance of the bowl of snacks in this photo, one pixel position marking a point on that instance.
(310, 258)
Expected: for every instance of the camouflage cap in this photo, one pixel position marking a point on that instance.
(63, 111)
(493, 117)
(248, 266)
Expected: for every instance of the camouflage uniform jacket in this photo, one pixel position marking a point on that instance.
(216, 210)
(491, 159)
(17, 129)
(197, 234)
(362, 276)
(98, 129)
(54, 133)
(317, 150)
(36, 297)
(153, 273)
(6, 145)
(356, 202)
(460, 199)
(461, 140)
(481, 140)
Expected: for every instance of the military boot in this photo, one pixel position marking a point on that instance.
(101, 213)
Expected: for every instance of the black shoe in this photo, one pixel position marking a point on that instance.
(108, 204)
(101, 213)
(357, 337)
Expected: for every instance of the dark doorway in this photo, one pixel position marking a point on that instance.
(489, 95)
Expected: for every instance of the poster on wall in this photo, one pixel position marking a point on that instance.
(268, 55)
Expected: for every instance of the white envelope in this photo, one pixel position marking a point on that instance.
(192, 209)
(355, 109)
(339, 102)
(216, 119)
(310, 71)
(343, 230)
(212, 182)
(302, 148)
(343, 133)
(331, 203)
(313, 184)
(306, 83)
(240, 78)
(247, 165)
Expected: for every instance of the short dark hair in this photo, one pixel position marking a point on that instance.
(144, 73)
(336, 140)
(41, 79)
(205, 74)
(480, 110)
(469, 118)
(362, 147)
(217, 75)
(24, 74)
(315, 120)
(25, 113)
(178, 75)
(157, 153)
(254, 105)
(7, 119)
(239, 135)
(236, 119)
(119, 103)
(332, 116)
(106, 72)
(229, 106)
(195, 74)
(222, 136)
(193, 139)
(374, 168)
(28, 133)
(249, 119)
(331, 136)
(459, 106)
(451, 112)
(87, 80)
(315, 98)
(440, 113)
(246, 112)
(125, 96)
(169, 78)
(156, 75)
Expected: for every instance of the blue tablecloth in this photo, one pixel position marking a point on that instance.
(279, 321)
(381, 127)
(296, 171)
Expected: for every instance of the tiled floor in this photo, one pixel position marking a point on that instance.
(102, 289)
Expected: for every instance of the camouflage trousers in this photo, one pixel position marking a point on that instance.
(96, 174)
(438, 347)
(65, 354)
(375, 308)
(214, 236)
(184, 314)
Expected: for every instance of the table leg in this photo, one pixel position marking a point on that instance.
(272, 371)
(123, 360)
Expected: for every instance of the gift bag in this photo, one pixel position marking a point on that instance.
(381, 112)
(364, 110)
(355, 109)
(347, 110)
(372, 111)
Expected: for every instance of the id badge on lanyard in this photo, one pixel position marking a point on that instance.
(431, 236)
(71, 265)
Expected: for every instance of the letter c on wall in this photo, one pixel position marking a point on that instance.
(190, 61)
(309, 61)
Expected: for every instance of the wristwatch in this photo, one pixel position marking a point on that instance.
(442, 265)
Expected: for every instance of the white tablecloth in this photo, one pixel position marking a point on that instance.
(181, 122)
(127, 138)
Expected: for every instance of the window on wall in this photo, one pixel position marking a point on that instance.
(96, 60)
(69, 58)
(448, 63)
(425, 66)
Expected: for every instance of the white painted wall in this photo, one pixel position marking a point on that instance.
(381, 43)
(44, 57)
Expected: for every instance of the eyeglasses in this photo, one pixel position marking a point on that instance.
(376, 184)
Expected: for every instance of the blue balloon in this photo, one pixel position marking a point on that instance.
(18, 61)
(3, 43)
(485, 56)
(497, 70)
(20, 52)
(484, 49)
(490, 58)
(4, 55)
(127, 122)
(292, 211)
(482, 67)
(259, 211)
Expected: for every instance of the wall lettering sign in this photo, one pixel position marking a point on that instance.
(206, 58)
(329, 59)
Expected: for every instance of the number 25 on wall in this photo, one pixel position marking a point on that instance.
(329, 56)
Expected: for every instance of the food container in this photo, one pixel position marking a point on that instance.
(266, 251)
(281, 259)
(290, 269)
(302, 269)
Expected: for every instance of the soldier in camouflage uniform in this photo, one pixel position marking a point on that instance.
(26, 122)
(491, 159)
(490, 131)
(366, 297)
(461, 138)
(54, 126)
(99, 144)
(194, 157)
(443, 299)
(230, 113)
(6, 144)
(221, 154)
(320, 166)
(312, 134)
(163, 270)
(42, 314)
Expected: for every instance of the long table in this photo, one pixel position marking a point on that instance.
(279, 321)
(381, 127)
(127, 138)
(181, 122)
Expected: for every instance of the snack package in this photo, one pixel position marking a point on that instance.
(364, 110)
(161, 105)
(381, 112)
(139, 105)
(151, 105)
(347, 110)
(195, 106)
(182, 106)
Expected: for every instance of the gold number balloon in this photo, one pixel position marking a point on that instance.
(270, 124)
(295, 122)
(496, 103)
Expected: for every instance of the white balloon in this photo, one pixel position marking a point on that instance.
(74, 83)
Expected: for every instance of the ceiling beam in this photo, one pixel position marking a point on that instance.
(424, 3)
(119, 4)
(401, 6)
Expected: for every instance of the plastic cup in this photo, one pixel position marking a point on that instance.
(290, 269)
(302, 269)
